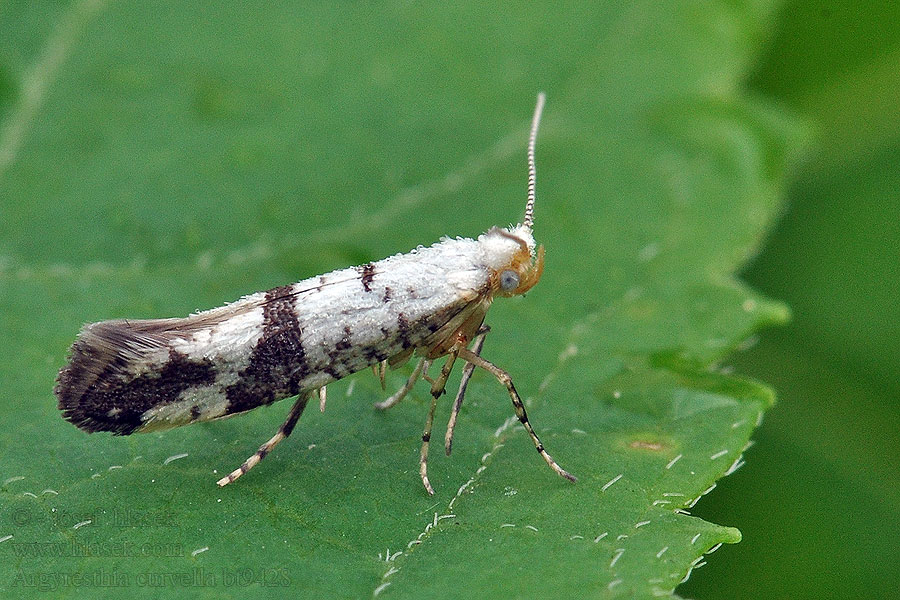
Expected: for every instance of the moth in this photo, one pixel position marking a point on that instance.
(128, 376)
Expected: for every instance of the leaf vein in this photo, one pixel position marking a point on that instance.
(38, 79)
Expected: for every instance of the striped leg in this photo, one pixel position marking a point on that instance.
(437, 388)
(285, 430)
(401, 393)
(463, 384)
(506, 380)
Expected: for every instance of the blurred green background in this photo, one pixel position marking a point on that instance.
(824, 476)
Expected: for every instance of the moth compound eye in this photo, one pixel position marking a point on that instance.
(509, 280)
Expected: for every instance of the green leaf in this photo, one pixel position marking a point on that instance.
(833, 442)
(157, 159)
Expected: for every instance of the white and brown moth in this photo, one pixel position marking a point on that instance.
(127, 376)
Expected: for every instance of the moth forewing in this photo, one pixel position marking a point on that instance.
(127, 376)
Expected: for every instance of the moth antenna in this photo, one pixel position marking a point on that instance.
(532, 171)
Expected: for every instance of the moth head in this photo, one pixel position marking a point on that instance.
(515, 263)
(514, 260)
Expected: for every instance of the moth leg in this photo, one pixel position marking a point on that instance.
(285, 430)
(425, 375)
(323, 396)
(379, 370)
(382, 371)
(506, 380)
(401, 393)
(464, 382)
(437, 388)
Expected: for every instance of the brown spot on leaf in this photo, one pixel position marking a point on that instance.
(647, 445)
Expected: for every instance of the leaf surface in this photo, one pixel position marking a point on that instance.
(177, 157)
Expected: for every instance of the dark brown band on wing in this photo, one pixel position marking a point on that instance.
(277, 361)
(116, 404)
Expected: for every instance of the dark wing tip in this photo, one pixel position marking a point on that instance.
(89, 388)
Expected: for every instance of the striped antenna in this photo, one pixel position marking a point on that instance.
(532, 171)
